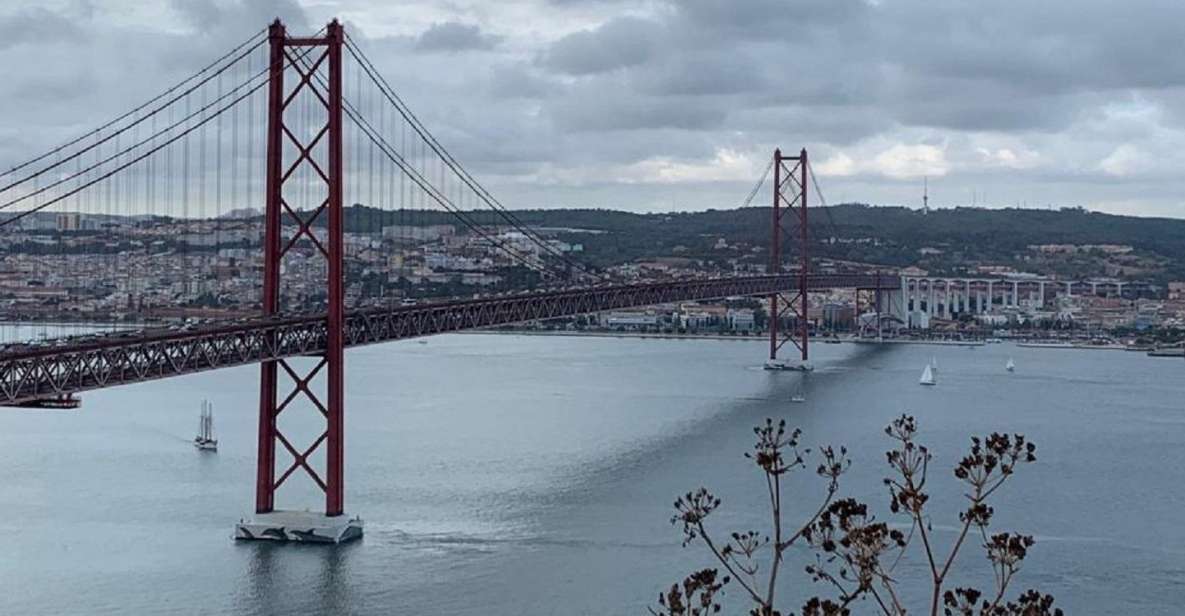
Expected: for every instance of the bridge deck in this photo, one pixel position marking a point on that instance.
(49, 374)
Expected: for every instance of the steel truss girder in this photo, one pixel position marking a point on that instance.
(31, 375)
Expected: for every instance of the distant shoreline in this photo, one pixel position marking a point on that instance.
(757, 338)
(588, 334)
(763, 338)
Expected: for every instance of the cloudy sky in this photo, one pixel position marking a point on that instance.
(662, 105)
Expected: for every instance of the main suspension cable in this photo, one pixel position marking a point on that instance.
(430, 190)
(426, 186)
(822, 200)
(144, 155)
(760, 183)
(448, 159)
(141, 107)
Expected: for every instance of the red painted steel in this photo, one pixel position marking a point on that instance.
(265, 472)
(335, 341)
(32, 374)
(275, 247)
(775, 254)
(804, 262)
(789, 200)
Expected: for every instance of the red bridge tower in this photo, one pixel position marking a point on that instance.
(789, 220)
(303, 58)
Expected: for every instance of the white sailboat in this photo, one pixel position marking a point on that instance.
(205, 437)
(1010, 366)
(927, 376)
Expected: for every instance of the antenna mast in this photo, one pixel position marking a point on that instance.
(925, 195)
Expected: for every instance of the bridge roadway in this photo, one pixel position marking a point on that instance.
(48, 376)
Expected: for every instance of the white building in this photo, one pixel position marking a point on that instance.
(740, 319)
(629, 320)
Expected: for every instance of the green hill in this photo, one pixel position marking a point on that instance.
(959, 239)
(896, 236)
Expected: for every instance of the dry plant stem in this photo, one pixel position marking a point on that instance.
(880, 602)
(888, 582)
(776, 501)
(831, 490)
(703, 533)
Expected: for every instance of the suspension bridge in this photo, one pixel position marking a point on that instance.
(233, 183)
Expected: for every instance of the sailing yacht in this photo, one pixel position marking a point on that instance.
(1010, 366)
(927, 376)
(205, 438)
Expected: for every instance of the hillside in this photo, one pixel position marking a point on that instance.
(897, 235)
(955, 240)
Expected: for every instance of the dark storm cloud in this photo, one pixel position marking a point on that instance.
(453, 36)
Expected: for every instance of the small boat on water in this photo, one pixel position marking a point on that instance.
(927, 376)
(205, 440)
(1010, 366)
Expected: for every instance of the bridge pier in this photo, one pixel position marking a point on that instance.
(299, 526)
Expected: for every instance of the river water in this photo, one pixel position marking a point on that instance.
(504, 474)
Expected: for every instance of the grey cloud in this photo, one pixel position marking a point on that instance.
(969, 104)
(38, 25)
(1041, 47)
(836, 126)
(209, 18)
(681, 79)
(516, 81)
(606, 109)
(454, 36)
(697, 74)
(766, 19)
(841, 75)
(619, 43)
(201, 14)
